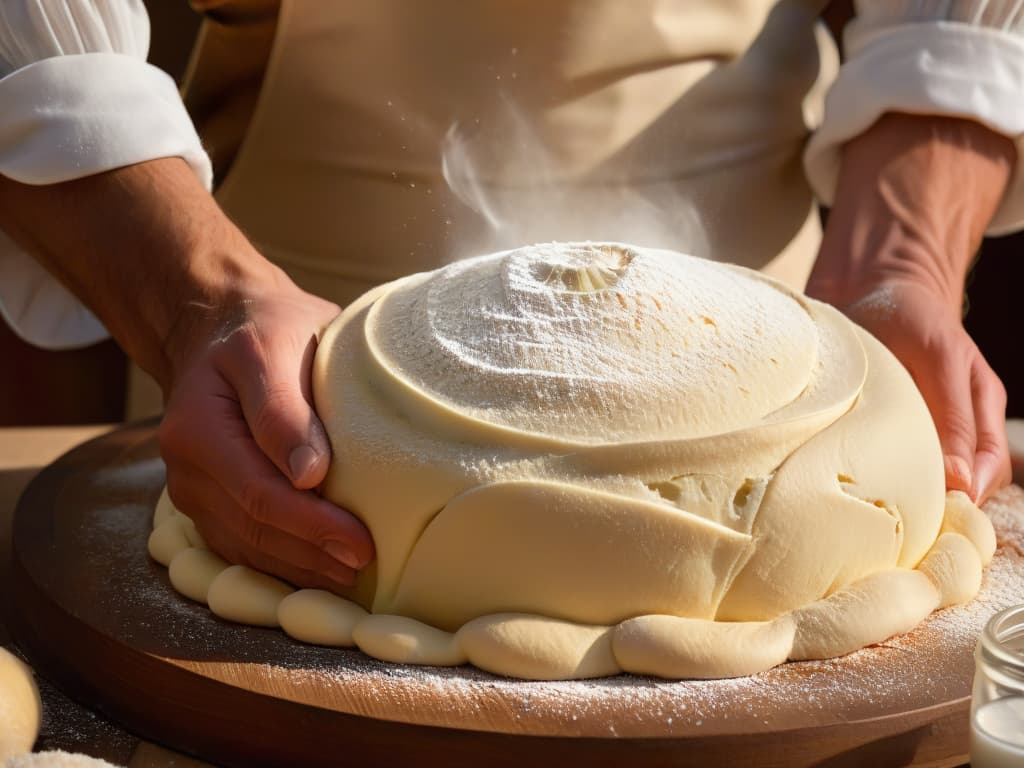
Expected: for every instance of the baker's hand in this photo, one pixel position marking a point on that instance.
(966, 398)
(230, 339)
(915, 196)
(243, 447)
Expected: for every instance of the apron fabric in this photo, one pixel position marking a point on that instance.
(359, 142)
(673, 123)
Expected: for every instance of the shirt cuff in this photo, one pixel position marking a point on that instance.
(76, 115)
(67, 117)
(39, 309)
(936, 68)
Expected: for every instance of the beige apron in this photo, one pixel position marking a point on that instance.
(392, 136)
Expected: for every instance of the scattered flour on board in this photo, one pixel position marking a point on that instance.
(933, 663)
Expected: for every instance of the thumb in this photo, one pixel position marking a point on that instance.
(276, 404)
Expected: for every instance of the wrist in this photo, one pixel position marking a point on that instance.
(211, 296)
(844, 281)
(147, 249)
(914, 198)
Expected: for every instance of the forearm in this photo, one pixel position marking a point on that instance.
(915, 195)
(914, 198)
(145, 247)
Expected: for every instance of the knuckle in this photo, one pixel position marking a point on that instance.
(994, 444)
(240, 352)
(317, 530)
(244, 343)
(256, 499)
(255, 539)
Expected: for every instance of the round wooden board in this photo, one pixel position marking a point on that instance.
(95, 614)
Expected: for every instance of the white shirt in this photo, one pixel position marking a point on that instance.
(78, 98)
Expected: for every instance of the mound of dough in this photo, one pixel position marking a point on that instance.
(582, 459)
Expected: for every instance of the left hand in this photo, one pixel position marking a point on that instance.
(915, 196)
(965, 396)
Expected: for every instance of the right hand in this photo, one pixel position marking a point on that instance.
(244, 448)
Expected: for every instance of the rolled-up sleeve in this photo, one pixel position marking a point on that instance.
(962, 58)
(78, 99)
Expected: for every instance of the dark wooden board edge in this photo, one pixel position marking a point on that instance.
(163, 703)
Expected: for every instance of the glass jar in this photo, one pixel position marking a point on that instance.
(997, 703)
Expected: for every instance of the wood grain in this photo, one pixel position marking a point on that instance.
(96, 615)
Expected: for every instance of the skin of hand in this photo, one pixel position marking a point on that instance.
(230, 339)
(915, 196)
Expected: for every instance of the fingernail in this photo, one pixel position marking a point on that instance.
(301, 460)
(342, 554)
(982, 481)
(959, 468)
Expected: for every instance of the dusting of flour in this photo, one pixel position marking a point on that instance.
(933, 664)
(556, 339)
(135, 603)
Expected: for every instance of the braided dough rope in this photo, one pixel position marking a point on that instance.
(578, 460)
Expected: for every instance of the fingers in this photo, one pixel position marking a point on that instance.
(232, 534)
(213, 459)
(277, 403)
(992, 455)
(946, 387)
(253, 483)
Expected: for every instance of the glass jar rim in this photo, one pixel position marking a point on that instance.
(999, 628)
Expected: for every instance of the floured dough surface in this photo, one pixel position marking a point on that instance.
(534, 341)
(582, 459)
